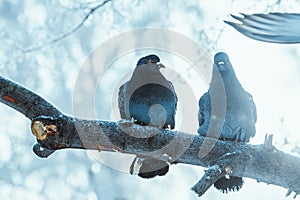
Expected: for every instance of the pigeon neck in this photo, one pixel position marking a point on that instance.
(223, 80)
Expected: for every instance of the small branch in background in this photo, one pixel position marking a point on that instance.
(273, 6)
(64, 35)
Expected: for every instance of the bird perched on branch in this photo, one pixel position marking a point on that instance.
(273, 27)
(226, 112)
(148, 98)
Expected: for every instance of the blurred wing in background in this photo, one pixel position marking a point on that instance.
(281, 28)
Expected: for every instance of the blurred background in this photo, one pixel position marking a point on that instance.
(45, 46)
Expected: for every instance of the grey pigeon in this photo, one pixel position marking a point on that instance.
(273, 27)
(226, 112)
(148, 98)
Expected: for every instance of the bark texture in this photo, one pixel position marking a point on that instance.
(55, 130)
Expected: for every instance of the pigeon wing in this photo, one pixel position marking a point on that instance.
(273, 27)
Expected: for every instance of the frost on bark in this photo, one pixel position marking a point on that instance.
(55, 130)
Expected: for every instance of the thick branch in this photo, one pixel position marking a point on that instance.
(25, 101)
(253, 161)
(56, 131)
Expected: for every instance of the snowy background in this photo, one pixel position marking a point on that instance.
(42, 49)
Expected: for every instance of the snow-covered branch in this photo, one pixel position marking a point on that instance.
(55, 130)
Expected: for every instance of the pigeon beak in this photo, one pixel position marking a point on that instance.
(220, 65)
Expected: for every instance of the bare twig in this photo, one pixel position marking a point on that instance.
(268, 142)
(211, 175)
(64, 35)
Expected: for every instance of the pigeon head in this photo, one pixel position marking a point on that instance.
(221, 61)
(150, 59)
(220, 58)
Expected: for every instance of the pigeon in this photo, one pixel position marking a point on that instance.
(226, 112)
(149, 99)
(273, 27)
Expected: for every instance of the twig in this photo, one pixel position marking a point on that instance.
(268, 142)
(210, 176)
(220, 169)
(64, 35)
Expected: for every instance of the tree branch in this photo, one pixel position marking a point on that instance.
(55, 130)
(25, 101)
